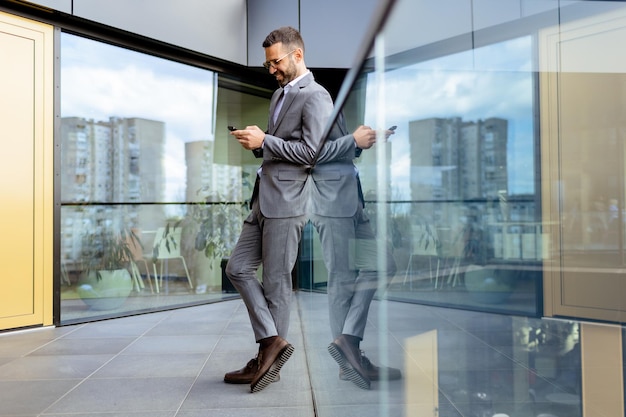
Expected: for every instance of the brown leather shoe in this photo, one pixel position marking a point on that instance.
(374, 373)
(270, 360)
(348, 356)
(243, 375)
(246, 374)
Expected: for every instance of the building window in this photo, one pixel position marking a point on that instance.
(141, 154)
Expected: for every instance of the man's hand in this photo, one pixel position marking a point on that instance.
(250, 138)
(364, 137)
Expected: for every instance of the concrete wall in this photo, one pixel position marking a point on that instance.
(234, 30)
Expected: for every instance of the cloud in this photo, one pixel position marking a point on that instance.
(495, 82)
(99, 93)
(100, 81)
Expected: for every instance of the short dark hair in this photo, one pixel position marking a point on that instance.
(286, 35)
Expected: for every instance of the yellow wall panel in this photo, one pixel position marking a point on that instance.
(26, 114)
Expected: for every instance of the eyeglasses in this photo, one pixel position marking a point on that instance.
(273, 62)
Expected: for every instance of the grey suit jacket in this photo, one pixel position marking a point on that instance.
(289, 185)
(289, 148)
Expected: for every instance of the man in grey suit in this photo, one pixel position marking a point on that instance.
(299, 112)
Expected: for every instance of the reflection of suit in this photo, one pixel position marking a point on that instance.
(280, 203)
(337, 190)
(347, 239)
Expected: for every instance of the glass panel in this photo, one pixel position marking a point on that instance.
(463, 207)
(462, 213)
(456, 193)
(151, 182)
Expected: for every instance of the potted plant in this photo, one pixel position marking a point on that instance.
(215, 226)
(107, 255)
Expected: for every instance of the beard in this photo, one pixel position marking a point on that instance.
(288, 75)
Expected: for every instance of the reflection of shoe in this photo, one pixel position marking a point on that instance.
(270, 360)
(246, 374)
(373, 372)
(348, 356)
(201, 289)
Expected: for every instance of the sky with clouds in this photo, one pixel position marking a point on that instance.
(101, 81)
(493, 81)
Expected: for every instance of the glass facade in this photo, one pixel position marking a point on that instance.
(151, 182)
(462, 210)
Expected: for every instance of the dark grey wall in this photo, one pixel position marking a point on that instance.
(461, 17)
(332, 29)
(265, 16)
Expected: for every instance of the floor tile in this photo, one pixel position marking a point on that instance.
(32, 397)
(124, 395)
(52, 367)
(84, 346)
(153, 365)
(172, 364)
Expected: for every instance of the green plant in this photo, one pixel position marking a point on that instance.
(210, 244)
(109, 249)
(215, 223)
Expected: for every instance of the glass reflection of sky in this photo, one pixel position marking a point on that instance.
(99, 81)
(492, 81)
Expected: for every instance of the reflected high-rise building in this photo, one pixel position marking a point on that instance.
(456, 167)
(107, 163)
(452, 159)
(139, 146)
(119, 160)
(219, 186)
(434, 158)
(205, 177)
(483, 158)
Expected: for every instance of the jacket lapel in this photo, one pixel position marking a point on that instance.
(289, 98)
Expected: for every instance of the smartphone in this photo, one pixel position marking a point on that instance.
(394, 127)
(231, 128)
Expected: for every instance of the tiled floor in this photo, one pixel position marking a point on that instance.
(171, 364)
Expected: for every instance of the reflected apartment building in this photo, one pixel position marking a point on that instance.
(133, 147)
(112, 164)
(467, 159)
(459, 172)
(109, 164)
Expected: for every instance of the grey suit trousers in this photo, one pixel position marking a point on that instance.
(351, 258)
(274, 244)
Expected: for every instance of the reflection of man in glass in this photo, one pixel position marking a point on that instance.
(350, 254)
